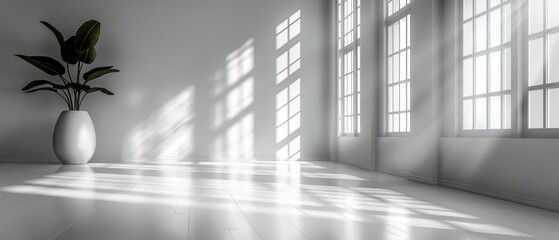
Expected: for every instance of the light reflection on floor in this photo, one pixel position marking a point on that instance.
(248, 200)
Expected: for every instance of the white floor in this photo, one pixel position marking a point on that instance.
(248, 200)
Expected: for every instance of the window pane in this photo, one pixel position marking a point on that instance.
(403, 122)
(507, 72)
(481, 5)
(468, 35)
(495, 112)
(536, 15)
(495, 27)
(396, 64)
(481, 113)
(389, 70)
(408, 63)
(390, 41)
(468, 77)
(481, 33)
(390, 109)
(408, 29)
(403, 67)
(536, 62)
(535, 109)
(390, 122)
(396, 102)
(481, 74)
(396, 123)
(408, 97)
(396, 37)
(552, 16)
(507, 23)
(403, 95)
(507, 114)
(409, 122)
(468, 114)
(493, 3)
(553, 57)
(397, 46)
(495, 72)
(553, 108)
(468, 9)
(403, 33)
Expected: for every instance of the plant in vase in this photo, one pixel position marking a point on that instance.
(74, 137)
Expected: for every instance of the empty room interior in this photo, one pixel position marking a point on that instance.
(279, 120)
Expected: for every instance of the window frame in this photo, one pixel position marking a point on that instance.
(340, 53)
(525, 39)
(514, 90)
(520, 38)
(388, 21)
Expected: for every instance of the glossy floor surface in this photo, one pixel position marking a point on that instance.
(248, 200)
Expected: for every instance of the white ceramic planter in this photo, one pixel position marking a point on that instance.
(74, 137)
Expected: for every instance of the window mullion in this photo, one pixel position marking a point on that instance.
(355, 59)
(341, 74)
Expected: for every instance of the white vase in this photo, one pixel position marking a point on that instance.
(74, 137)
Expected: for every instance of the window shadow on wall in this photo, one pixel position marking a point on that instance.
(288, 85)
(232, 96)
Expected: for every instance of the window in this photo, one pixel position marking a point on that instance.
(543, 64)
(349, 67)
(398, 84)
(492, 38)
(486, 65)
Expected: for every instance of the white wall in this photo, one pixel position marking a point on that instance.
(416, 155)
(173, 58)
(523, 170)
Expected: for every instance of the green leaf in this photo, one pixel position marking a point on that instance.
(37, 83)
(42, 89)
(85, 88)
(46, 64)
(77, 87)
(69, 52)
(88, 56)
(103, 90)
(98, 72)
(88, 35)
(57, 34)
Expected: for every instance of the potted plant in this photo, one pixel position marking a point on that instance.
(74, 137)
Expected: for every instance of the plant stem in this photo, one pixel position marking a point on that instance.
(68, 71)
(67, 95)
(83, 98)
(67, 103)
(78, 92)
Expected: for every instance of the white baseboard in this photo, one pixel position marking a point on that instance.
(127, 160)
(489, 193)
(423, 180)
(501, 195)
(392, 172)
(205, 159)
(31, 160)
